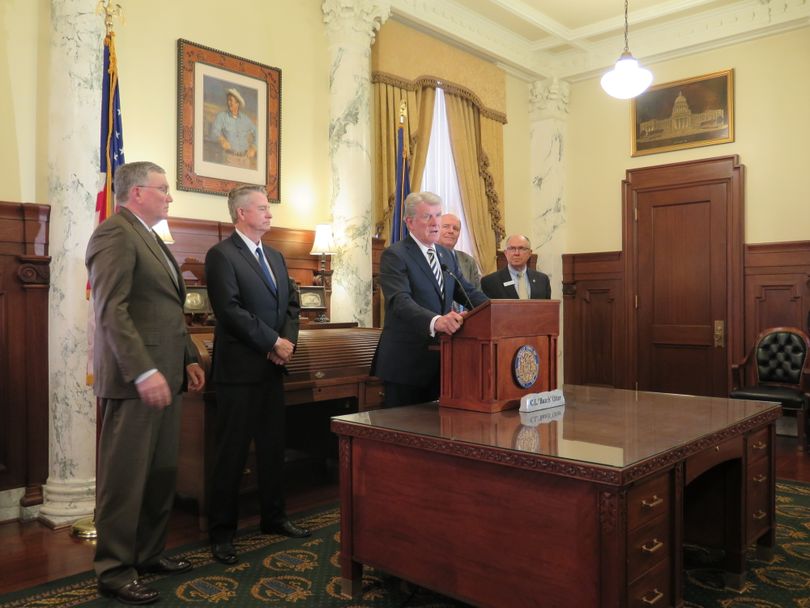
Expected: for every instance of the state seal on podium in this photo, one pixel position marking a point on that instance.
(526, 366)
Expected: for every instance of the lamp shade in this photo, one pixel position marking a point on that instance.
(162, 230)
(324, 243)
(626, 79)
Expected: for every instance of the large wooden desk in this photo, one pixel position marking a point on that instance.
(588, 510)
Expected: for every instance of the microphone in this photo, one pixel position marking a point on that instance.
(460, 284)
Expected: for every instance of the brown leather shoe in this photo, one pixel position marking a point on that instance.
(166, 565)
(286, 528)
(224, 553)
(131, 593)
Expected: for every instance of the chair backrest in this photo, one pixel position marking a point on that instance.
(780, 355)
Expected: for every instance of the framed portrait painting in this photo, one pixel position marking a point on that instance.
(684, 114)
(228, 122)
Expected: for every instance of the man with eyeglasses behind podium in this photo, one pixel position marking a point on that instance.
(517, 280)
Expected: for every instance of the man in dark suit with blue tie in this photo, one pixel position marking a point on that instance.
(256, 309)
(419, 281)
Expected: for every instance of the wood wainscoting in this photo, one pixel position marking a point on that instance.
(777, 293)
(24, 283)
(193, 239)
(594, 325)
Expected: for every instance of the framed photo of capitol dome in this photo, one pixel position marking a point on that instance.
(684, 114)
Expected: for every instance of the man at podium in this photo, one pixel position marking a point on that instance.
(419, 280)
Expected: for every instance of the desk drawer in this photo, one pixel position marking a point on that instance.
(699, 463)
(647, 546)
(652, 589)
(758, 500)
(758, 444)
(647, 501)
(375, 393)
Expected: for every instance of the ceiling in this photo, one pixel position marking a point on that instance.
(578, 39)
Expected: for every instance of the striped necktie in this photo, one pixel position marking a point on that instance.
(434, 266)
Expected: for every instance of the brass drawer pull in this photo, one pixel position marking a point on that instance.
(759, 445)
(652, 503)
(656, 595)
(760, 515)
(759, 478)
(652, 546)
(247, 471)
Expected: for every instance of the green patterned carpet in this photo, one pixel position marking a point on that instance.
(280, 572)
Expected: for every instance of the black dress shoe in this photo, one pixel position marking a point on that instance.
(286, 528)
(131, 593)
(224, 553)
(166, 565)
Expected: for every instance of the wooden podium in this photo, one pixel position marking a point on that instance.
(478, 361)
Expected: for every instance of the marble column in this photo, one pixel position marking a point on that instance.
(548, 114)
(77, 35)
(351, 27)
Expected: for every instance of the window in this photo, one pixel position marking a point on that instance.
(440, 172)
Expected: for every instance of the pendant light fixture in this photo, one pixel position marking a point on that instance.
(626, 79)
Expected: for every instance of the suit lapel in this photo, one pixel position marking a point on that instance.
(510, 291)
(164, 256)
(416, 253)
(250, 258)
(446, 258)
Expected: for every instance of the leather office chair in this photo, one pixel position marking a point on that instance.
(780, 357)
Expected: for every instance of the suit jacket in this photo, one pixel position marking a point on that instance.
(138, 306)
(469, 268)
(493, 285)
(412, 299)
(250, 317)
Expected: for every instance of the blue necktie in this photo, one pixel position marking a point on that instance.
(265, 269)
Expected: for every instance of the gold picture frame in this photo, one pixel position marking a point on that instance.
(312, 297)
(218, 146)
(683, 114)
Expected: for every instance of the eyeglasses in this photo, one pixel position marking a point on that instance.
(517, 249)
(163, 189)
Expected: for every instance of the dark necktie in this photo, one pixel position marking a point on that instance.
(265, 269)
(173, 270)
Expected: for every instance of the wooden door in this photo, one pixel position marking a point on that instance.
(685, 259)
(682, 268)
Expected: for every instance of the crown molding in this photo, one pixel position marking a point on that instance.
(660, 40)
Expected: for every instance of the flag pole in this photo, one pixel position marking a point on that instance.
(111, 155)
(402, 186)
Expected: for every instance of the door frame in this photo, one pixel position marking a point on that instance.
(724, 170)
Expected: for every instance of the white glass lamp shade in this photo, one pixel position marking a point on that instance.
(162, 230)
(324, 243)
(626, 79)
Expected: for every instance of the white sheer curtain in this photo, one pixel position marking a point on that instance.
(440, 172)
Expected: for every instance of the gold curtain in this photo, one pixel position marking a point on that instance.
(477, 145)
(388, 92)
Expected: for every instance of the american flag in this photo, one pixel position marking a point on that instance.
(399, 230)
(111, 157)
(112, 137)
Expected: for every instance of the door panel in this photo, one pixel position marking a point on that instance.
(682, 288)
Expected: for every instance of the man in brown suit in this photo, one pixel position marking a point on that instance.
(142, 360)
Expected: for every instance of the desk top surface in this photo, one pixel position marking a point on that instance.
(600, 426)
